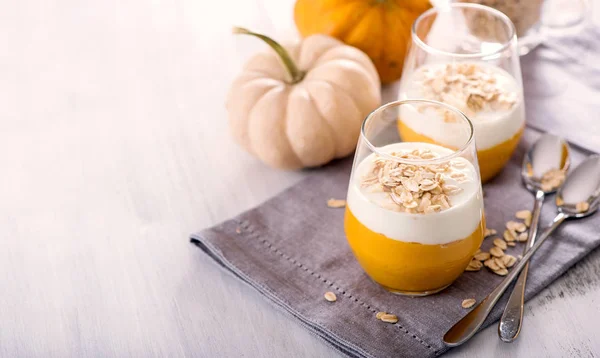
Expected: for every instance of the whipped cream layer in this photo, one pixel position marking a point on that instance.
(491, 126)
(374, 209)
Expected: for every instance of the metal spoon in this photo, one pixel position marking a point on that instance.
(549, 152)
(578, 197)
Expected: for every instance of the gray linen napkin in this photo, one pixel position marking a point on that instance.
(292, 248)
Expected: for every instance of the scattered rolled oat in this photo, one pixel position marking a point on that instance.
(523, 237)
(508, 260)
(379, 315)
(523, 214)
(330, 296)
(511, 243)
(509, 235)
(501, 272)
(510, 225)
(336, 203)
(516, 226)
(500, 243)
(489, 232)
(389, 318)
(468, 303)
(582, 206)
(496, 251)
(474, 265)
(491, 264)
(499, 262)
(520, 227)
(482, 256)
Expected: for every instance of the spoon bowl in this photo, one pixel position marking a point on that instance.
(579, 196)
(548, 153)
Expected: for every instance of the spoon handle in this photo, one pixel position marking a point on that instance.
(469, 324)
(512, 318)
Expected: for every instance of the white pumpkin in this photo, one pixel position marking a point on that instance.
(306, 115)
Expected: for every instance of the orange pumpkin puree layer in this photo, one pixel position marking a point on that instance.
(408, 267)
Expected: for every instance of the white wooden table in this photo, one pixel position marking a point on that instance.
(114, 147)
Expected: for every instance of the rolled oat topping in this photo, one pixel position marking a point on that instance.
(468, 87)
(412, 188)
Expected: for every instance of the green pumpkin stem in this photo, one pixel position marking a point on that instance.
(296, 74)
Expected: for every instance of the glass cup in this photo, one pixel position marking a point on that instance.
(466, 55)
(414, 215)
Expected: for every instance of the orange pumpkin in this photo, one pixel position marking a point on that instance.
(380, 28)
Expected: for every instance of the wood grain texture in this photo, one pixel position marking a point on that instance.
(114, 148)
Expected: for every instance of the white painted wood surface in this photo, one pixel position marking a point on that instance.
(114, 147)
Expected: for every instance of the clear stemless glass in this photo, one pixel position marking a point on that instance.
(414, 215)
(466, 55)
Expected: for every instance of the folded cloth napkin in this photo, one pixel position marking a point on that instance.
(292, 249)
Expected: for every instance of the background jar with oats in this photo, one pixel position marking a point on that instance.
(534, 20)
(523, 14)
(477, 72)
(414, 214)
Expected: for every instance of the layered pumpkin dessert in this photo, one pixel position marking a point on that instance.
(412, 219)
(489, 96)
